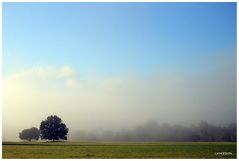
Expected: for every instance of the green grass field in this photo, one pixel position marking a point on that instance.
(119, 150)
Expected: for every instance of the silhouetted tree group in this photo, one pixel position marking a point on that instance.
(50, 129)
(152, 131)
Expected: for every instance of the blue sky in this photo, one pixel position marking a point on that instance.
(112, 38)
(170, 62)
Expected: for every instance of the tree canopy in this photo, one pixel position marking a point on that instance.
(29, 134)
(53, 129)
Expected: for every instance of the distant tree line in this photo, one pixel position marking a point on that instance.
(50, 129)
(152, 131)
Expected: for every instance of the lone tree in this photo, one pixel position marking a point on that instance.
(29, 134)
(53, 129)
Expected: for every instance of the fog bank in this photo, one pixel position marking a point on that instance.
(95, 101)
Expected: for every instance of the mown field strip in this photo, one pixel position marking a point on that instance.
(119, 150)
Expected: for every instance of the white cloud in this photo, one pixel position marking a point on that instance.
(66, 71)
(41, 73)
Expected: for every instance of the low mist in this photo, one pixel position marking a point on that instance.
(152, 131)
